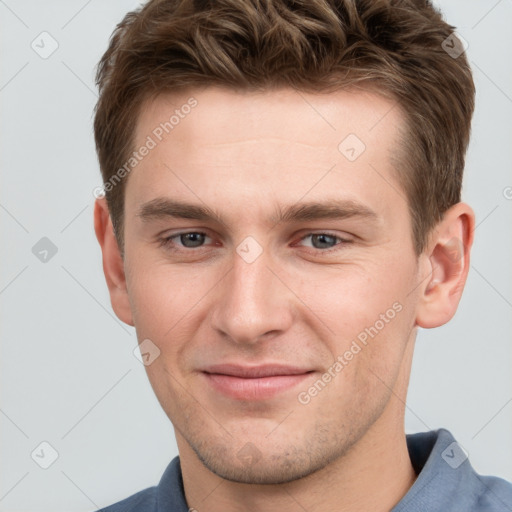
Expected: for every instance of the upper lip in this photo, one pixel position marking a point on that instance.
(253, 372)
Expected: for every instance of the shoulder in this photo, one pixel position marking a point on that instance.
(168, 495)
(143, 501)
(447, 481)
(479, 493)
(489, 494)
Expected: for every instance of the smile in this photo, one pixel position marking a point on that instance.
(254, 383)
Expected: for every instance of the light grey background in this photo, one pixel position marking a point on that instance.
(68, 374)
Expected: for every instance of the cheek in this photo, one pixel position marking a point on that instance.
(369, 312)
(352, 297)
(369, 356)
(162, 296)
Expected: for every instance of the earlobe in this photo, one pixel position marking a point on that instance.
(447, 257)
(113, 264)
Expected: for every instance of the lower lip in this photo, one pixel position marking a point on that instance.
(253, 389)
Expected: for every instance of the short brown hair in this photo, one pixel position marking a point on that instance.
(396, 47)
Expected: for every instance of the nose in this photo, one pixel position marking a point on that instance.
(252, 302)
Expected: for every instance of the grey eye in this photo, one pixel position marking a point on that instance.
(323, 241)
(192, 239)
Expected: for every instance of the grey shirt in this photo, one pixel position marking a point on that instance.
(446, 483)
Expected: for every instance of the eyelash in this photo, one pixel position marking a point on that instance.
(167, 241)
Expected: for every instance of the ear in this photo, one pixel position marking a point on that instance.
(446, 266)
(113, 265)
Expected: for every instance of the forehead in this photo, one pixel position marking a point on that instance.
(219, 144)
(221, 115)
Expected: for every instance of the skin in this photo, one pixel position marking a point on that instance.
(246, 156)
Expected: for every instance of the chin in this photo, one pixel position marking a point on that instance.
(274, 464)
(265, 471)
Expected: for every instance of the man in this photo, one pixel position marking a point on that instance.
(282, 213)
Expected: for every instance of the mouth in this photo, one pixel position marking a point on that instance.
(254, 382)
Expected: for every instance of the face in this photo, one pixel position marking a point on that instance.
(269, 260)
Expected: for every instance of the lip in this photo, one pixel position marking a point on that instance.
(254, 382)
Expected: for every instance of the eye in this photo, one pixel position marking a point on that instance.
(324, 241)
(189, 240)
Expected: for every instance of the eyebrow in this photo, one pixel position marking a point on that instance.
(161, 208)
